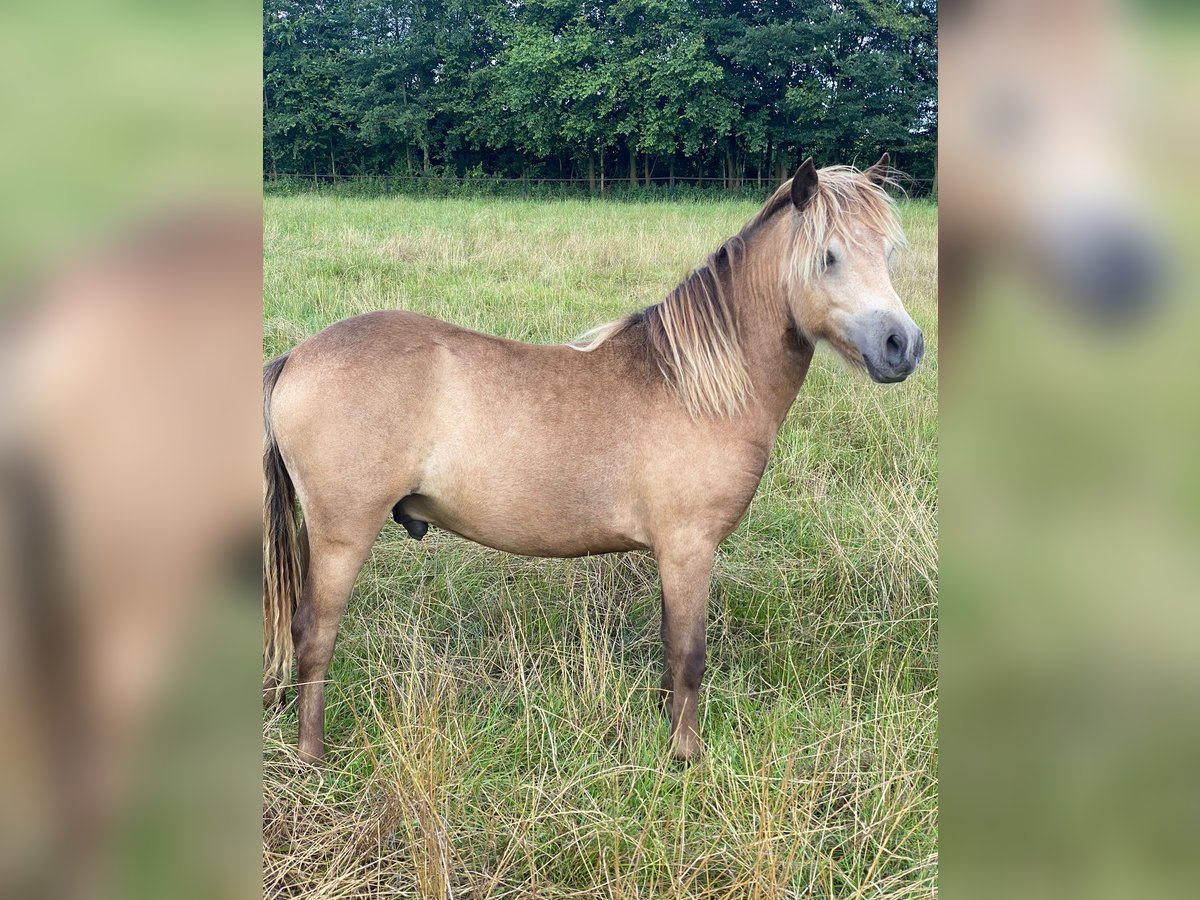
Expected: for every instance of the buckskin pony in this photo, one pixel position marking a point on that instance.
(650, 433)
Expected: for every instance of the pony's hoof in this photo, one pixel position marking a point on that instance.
(314, 757)
(273, 694)
(685, 748)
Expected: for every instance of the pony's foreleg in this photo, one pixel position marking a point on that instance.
(331, 570)
(685, 571)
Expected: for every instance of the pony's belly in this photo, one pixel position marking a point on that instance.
(523, 529)
(560, 546)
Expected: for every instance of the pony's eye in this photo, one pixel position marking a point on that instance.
(830, 259)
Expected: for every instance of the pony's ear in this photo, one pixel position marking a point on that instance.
(804, 184)
(879, 172)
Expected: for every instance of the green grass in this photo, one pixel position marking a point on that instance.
(493, 724)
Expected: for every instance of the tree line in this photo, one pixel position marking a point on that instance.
(646, 91)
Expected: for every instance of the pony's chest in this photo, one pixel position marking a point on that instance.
(717, 478)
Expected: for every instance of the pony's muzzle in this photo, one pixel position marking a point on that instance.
(1110, 268)
(891, 347)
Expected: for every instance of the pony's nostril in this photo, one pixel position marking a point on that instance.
(893, 350)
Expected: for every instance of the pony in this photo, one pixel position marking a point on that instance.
(1040, 172)
(649, 433)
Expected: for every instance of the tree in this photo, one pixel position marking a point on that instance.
(738, 88)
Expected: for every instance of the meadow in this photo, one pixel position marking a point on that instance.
(493, 723)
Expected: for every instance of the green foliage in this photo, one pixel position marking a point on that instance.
(443, 182)
(636, 90)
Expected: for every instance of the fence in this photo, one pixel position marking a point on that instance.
(442, 185)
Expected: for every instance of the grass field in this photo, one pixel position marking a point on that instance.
(493, 724)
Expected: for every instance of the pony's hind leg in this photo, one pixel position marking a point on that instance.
(332, 566)
(685, 571)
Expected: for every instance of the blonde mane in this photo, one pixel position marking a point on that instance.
(693, 333)
(845, 197)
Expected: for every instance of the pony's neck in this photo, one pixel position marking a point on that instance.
(777, 356)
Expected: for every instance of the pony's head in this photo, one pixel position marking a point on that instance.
(842, 232)
(1040, 160)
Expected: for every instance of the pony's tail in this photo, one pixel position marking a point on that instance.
(281, 552)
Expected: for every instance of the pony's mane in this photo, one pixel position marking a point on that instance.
(693, 332)
(845, 197)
